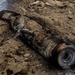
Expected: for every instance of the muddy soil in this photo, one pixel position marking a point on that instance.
(16, 57)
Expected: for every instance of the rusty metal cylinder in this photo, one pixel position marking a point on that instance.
(64, 54)
(45, 44)
(39, 41)
(31, 32)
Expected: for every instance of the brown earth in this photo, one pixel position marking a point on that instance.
(16, 58)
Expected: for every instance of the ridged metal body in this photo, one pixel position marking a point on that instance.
(41, 39)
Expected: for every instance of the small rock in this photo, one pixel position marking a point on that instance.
(27, 59)
(70, 12)
(34, 3)
(27, 55)
(55, 3)
(20, 52)
(71, 5)
(70, 16)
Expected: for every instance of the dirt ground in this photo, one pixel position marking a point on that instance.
(16, 57)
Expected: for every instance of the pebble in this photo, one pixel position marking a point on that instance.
(27, 55)
(20, 52)
(70, 16)
(26, 59)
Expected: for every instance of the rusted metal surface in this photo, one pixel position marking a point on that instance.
(32, 32)
(66, 55)
(37, 37)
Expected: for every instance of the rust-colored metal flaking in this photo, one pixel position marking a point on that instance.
(43, 36)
